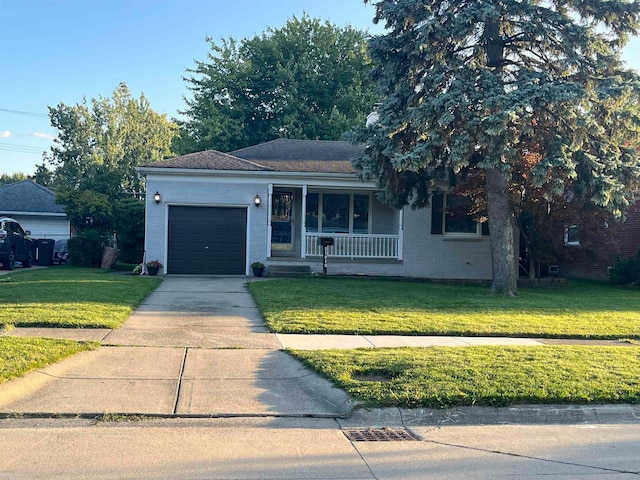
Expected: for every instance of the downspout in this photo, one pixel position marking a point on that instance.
(269, 210)
(400, 234)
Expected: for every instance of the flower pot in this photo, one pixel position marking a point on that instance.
(258, 271)
(153, 271)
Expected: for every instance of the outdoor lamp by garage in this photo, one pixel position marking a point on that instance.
(156, 197)
(257, 201)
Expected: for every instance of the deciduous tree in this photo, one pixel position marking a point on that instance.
(100, 142)
(306, 80)
(7, 178)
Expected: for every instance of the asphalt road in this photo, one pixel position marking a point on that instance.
(277, 448)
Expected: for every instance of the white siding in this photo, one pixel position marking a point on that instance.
(51, 227)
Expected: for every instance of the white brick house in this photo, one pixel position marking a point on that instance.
(216, 213)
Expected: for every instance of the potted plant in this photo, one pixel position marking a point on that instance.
(258, 268)
(153, 266)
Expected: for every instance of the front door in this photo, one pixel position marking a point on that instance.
(282, 221)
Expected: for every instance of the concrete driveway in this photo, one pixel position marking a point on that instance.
(197, 346)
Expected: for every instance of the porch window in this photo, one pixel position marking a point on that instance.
(311, 220)
(361, 214)
(337, 213)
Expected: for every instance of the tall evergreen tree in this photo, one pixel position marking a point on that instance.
(306, 80)
(469, 84)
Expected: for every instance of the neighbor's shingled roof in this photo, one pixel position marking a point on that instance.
(28, 196)
(281, 155)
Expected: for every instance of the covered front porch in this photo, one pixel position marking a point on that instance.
(361, 226)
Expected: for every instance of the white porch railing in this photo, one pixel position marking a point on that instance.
(355, 246)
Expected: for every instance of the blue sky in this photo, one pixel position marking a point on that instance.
(54, 51)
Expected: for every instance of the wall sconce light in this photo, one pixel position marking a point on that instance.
(156, 197)
(257, 201)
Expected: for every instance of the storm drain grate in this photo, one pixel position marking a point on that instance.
(380, 435)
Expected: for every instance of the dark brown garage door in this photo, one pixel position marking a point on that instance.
(207, 240)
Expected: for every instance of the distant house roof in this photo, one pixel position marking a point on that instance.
(28, 196)
(281, 155)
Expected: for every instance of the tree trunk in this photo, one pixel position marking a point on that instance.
(532, 267)
(505, 280)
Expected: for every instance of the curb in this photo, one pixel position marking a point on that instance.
(521, 415)
(397, 417)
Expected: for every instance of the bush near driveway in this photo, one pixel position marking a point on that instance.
(591, 310)
(67, 296)
(441, 377)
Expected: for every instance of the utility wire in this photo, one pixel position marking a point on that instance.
(21, 112)
(22, 148)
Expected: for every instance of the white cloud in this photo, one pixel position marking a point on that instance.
(45, 136)
(5, 133)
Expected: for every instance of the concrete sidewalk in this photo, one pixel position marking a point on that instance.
(175, 331)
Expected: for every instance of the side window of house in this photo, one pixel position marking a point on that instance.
(450, 216)
(571, 235)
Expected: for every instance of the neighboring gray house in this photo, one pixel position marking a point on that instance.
(216, 213)
(35, 208)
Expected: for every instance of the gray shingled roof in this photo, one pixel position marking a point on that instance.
(28, 196)
(300, 150)
(308, 156)
(281, 155)
(207, 160)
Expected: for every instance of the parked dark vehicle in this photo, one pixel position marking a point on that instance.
(15, 244)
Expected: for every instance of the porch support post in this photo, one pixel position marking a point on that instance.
(400, 233)
(269, 210)
(303, 232)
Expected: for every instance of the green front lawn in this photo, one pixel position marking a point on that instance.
(442, 377)
(380, 306)
(66, 296)
(20, 355)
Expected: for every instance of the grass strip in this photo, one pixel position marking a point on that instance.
(67, 296)
(21, 355)
(442, 377)
(592, 310)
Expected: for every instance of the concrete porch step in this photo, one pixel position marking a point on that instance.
(282, 271)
